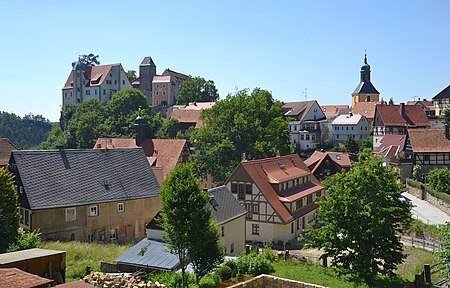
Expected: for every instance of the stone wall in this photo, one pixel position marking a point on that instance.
(267, 281)
(424, 195)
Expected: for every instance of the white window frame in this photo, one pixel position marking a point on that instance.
(93, 210)
(113, 234)
(119, 209)
(74, 213)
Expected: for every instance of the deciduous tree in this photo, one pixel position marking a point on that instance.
(9, 211)
(89, 59)
(250, 123)
(360, 221)
(189, 231)
(443, 253)
(197, 89)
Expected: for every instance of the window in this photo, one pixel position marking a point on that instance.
(157, 85)
(309, 199)
(88, 92)
(93, 210)
(234, 188)
(426, 157)
(302, 137)
(104, 91)
(71, 214)
(255, 208)
(223, 231)
(307, 137)
(337, 136)
(123, 82)
(27, 217)
(248, 189)
(292, 227)
(113, 234)
(352, 128)
(346, 128)
(120, 207)
(95, 91)
(298, 203)
(255, 229)
(298, 224)
(248, 207)
(91, 237)
(115, 81)
(295, 128)
(232, 248)
(22, 215)
(313, 137)
(241, 195)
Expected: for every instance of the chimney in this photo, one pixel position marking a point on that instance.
(447, 132)
(402, 109)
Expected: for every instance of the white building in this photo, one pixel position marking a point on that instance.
(350, 125)
(165, 88)
(93, 82)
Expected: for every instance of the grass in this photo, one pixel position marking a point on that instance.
(80, 255)
(319, 275)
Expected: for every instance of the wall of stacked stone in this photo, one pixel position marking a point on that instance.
(267, 281)
(424, 195)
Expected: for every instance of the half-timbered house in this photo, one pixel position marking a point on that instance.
(323, 164)
(279, 194)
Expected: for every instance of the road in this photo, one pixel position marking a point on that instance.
(425, 212)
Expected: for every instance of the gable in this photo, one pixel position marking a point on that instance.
(314, 113)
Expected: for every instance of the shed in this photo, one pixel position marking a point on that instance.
(13, 277)
(46, 263)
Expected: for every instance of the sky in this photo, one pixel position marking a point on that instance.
(282, 46)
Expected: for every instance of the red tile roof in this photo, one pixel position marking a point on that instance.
(6, 146)
(188, 116)
(335, 110)
(340, 158)
(282, 168)
(391, 145)
(76, 284)
(413, 115)
(428, 140)
(92, 73)
(366, 109)
(163, 153)
(14, 277)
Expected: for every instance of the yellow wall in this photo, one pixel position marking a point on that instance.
(356, 98)
(130, 224)
(234, 233)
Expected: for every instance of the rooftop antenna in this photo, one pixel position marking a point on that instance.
(305, 93)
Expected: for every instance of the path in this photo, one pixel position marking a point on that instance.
(425, 212)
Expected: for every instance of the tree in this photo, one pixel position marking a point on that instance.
(197, 89)
(439, 179)
(364, 154)
(55, 138)
(417, 172)
(447, 116)
(189, 231)
(9, 210)
(131, 75)
(351, 146)
(89, 59)
(250, 123)
(360, 221)
(443, 252)
(391, 101)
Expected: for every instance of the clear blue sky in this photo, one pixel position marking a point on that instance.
(281, 46)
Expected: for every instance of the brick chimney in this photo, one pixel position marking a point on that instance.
(402, 109)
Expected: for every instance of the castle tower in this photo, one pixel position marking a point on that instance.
(147, 70)
(365, 91)
(78, 70)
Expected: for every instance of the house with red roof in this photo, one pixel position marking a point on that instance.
(6, 147)
(429, 148)
(189, 115)
(323, 164)
(279, 194)
(392, 150)
(397, 119)
(87, 82)
(366, 109)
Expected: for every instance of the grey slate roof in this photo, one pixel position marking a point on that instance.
(366, 87)
(225, 206)
(444, 94)
(149, 254)
(66, 177)
(147, 61)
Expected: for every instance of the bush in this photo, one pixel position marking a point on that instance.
(254, 264)
(417, 172)
(208, 281)
(415, 184)
(170, 279)
(233, 266)
(26, 240)
(224, 272)
(439, 179)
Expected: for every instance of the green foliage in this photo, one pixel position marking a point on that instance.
(446, 116)
(170, 279)
(169, 129)
(360, 220)
(131, 75)
(417, 172)
(207, 282)
(26, 240)
(364, 154)
(439, 179)
(26, 132)
(415, 184)
(55, 138)
(189, 230)
(233, 266)
(224, 272)
(9, 210)
(254, 263)
(351, 145)
(197, 89)
(250, 123)
(391, 101)
(366, 143)
(443, 253)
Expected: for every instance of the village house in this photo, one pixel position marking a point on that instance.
(350, 125)
(6, 147)
(85, 194)
(165, 87)
(230, 219)
(331, 112)
(279, 194)
(429, 148)
(305, 128)
(189, 116)
(366, 109)
(323, 164)
(397, 119)
(442, 101)
(93, 82)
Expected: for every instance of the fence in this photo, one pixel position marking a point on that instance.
(421, 243)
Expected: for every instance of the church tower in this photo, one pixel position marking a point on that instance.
(365, 91)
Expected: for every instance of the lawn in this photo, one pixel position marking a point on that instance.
(80, 255)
